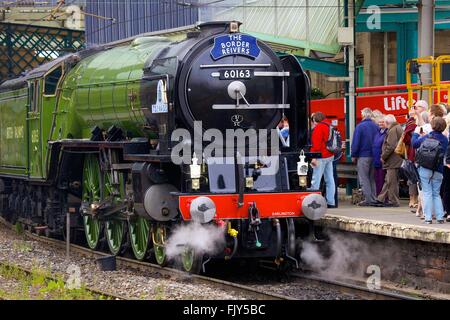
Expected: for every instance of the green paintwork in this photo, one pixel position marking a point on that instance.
(104, 90)
(190, 260)
(101, 90)
(322, 66)
(35, 126)
(187, 257)
(115, 227)
(92, 230)
(360, 75)
(159, 236)
(91, 194)
(160, 255)
(139, 231)
(402, 3)
(13, 132)
(114, 230)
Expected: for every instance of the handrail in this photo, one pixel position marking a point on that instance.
(391, 87)
(437, 84)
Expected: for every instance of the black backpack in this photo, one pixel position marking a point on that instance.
(430, 155)
(334, 142)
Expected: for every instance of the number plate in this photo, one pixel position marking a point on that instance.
(230, 74)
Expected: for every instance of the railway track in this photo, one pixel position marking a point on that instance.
(124, 262)
(355, 289)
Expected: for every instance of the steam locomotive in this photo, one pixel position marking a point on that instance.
(106, 138)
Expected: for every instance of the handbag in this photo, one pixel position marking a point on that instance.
(400, 149)
(409, 169)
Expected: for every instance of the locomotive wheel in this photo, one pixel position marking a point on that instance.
(139, 230)
(114, 231)
(91, 194)
(92, 228)
(191, 261)
(114, 228)
(158, 237)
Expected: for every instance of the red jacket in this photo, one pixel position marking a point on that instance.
(319, 138)
(409, 130)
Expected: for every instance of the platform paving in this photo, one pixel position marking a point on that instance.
(392, 222)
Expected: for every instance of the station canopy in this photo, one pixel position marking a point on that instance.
(296, 26)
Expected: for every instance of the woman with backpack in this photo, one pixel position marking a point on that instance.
(430, 150)
(322, 167)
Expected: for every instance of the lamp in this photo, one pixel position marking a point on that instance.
(302, 170)
(195, 173)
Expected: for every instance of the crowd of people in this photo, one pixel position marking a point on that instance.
(385, 152)
(382, 148)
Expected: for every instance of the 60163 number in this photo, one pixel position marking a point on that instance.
(236, 74)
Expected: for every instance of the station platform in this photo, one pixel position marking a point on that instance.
(391, 222)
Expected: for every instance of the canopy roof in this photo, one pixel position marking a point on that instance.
(289, 25)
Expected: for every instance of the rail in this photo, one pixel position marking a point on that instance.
(356, 289)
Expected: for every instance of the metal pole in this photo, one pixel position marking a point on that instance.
(346, 100)
(351, 72)
(426, 41)
(67, 235)
(386, 59)
(350, 101)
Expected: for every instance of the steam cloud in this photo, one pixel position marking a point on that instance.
(338, 258)
(204, 239)
(348, 255)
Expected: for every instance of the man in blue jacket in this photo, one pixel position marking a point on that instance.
(363, 138)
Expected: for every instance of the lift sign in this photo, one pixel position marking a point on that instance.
(235, 44)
